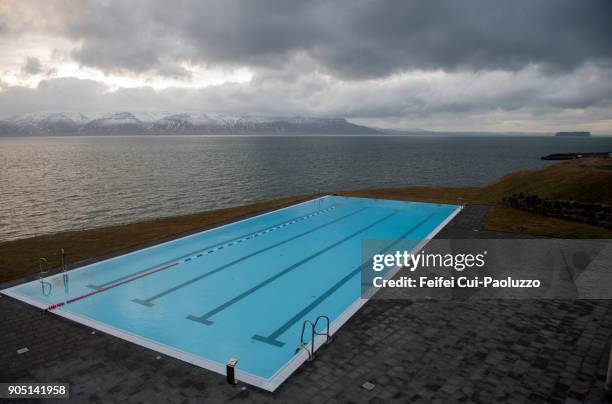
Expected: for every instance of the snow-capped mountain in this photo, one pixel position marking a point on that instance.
(219, 123)
(44, 123)
(163, 122)
(113, 123)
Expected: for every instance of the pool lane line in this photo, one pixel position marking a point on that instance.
(147, 302)
(55, 306)
(204, 318)
(272, 338)
(234, 240)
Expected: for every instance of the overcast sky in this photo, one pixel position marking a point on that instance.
(519, 65)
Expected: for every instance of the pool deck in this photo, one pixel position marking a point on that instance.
(442, 351)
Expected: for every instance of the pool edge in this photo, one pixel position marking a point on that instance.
(269, 384)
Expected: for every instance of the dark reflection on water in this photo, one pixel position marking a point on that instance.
(50, 184)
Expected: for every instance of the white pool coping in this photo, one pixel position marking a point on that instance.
(269, 384)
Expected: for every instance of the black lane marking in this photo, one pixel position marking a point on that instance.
(204, 318)
(234, 240)
(272, 338)
(147, 302)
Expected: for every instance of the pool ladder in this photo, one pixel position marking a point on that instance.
(313, 334)
(43, 271)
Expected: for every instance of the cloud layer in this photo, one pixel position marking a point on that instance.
(516, 65)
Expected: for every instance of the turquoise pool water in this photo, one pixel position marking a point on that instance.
(238, 291)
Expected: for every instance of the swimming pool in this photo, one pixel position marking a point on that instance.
(242, 290)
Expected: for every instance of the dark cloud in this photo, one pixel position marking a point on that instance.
(32, 65)
(350, 39)
(126, 36)
(446, 64)
(427, 100)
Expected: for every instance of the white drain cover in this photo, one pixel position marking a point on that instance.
(368, 386)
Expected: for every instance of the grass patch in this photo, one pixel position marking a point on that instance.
(585, 180)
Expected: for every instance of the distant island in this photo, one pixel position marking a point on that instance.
(573, 134)
(171, 123)
(574, 156)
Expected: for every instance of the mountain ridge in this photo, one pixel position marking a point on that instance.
(165, 122)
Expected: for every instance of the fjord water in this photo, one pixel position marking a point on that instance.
(51, 184)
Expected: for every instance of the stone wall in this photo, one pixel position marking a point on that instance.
(596, 214)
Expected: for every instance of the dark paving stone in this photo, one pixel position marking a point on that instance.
(477, 351)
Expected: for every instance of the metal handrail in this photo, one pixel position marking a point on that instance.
(326, 333)
(63, 268)
(43, 270)
(304, 344)
(42, 262)
(62, 260)
(313, 334)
